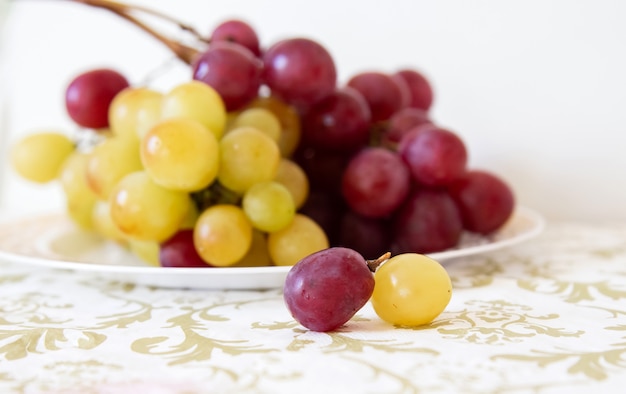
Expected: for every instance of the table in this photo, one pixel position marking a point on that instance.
(546, 316)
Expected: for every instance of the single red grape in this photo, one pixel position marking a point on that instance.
(421, 92)
(429, 221)
(486, 202)
(327, 288)
(89, 95)
(434, 155)
(401, 122)
(338, 122)
(375, 182)
(383, 95)
(232, 70)
(369, 236)
(299, 71)
(237, 31)
(179, 251)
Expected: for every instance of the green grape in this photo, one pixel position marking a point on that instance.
(299, 239)
(223, 235)
(80, 199)
(143, 210)
(39, 157)
(180, 154)
(269, 206)
(134, 111)
(259, 118)
(197, 101)
(109, 162)
(103, 223)
(410, 290)
(247, 156)
(289, 122)
(258, 255)
(147, 251)
(293, 177)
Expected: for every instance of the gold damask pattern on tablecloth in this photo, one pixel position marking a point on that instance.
(547, 316)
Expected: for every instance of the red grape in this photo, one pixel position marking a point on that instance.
(485, 201)
(179, 251)
(367, 235)
(239, 32)
(89, 95)
(429, 221)
(383, 95)
(299, 71)
(421, 93)
(434, 155)
(375, 182)
(325, 289)
(232, 70)
(401, 122)
(323, 168)
(338, 122)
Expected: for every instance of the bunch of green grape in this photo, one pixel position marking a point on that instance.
(174, 161)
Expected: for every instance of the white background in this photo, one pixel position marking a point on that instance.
(537, 89)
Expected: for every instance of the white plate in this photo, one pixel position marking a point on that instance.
(52, 241)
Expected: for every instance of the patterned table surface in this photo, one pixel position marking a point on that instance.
(546, 316)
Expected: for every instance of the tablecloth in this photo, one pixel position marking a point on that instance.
(545, 316)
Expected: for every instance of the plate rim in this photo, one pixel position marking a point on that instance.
(537, 225)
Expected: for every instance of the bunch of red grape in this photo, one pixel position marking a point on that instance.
(264, 158)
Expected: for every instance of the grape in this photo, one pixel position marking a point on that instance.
(180, 154)
(179, 251)
(326, 289)
(147, 251)
(382, 94)
(239, 32)
(338, 122)
(289, 122)
(371, 237)
(134, 111)
(269, 206)
(232, 70)
(375, 182)
(421, 92)
(38, 157)
(247, 156)
(261, 119)
(258, 255)
(299, 239)
(109, 162)
(428, 221)
(299, 71)
(323, 168)
(410, 290)
(401, 122)
(80, 199)
(223, 235)
(434, 155)
(293, 177)
(104, 225)
(143, 210)
(486, 202)
(197, 101)
(325, 209)
(89, 95)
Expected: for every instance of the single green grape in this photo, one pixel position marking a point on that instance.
(247, 156)
(180, 154)
(222, 235)
(197, 101)
(410, 290)
(261, 119)
(134, 111)
(302, 237)
(80, 199)
(293, 177)
(269, 206)
(38, 157)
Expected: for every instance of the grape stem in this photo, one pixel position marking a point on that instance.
(184, 52)
(374, 264)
